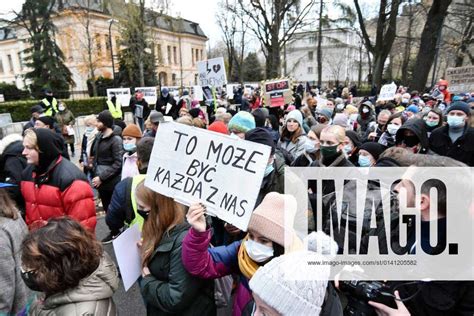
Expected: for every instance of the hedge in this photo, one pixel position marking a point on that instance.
(20, 110)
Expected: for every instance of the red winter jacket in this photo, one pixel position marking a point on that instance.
(62, 191)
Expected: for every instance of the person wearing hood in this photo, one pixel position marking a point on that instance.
(456, 139)
(51, 185)
(293, 137)
(107, 151)
(351, 146)
(66, 120)
(433, 119)
(324, 116)
(375, 130)
(395, 121)
(365, 118)
(131, 135)
(49, 123)
(441, 91)
(123, 209)
(412, 135)
(369, 153)
(12, 164)
(264, 242)
(66, 263)
(140, 109)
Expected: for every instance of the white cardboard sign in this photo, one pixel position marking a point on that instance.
(128, 255)
(122, 94)
(212, 72)
(149, 94)
(221, 172)
(387, 92)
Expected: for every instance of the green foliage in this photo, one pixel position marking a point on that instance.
(20, 110)
(102, 84)
(44, 56)
(253, 70)
(11, 92)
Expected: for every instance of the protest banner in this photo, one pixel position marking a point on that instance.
(212, 72)
(207, 169)
(387, 92)
(461, 79)
(122, 94)
(197, 93)
(128, 255)
(149, 94)
(277, 92)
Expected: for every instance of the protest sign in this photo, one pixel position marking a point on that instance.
(277, 92)
(212, 72)
(230, 90)
(149, 94)
(207, 169)
(122, 94)
(197, 93)
(387, 92)
(128, 255)
(461, 79)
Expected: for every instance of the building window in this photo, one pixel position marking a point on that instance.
(175, 55)
(107, 44)
(310, 70)
(117, 43)
(21, 61)
(312, 39)
(173, 79)
(310, 56)
(192, 55)
(202, 56)
(98, 45)
(159, 55)
(169, 55)
(197, 55)
(10, 62)
(1, 67)
(196, 76)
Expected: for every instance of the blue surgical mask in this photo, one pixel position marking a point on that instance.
(455, 121)
(364, 161)
(348, 149)
(89, 130)
(310, 146)
(268, 169)
(129, 147)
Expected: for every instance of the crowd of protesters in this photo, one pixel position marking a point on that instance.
(52, 264)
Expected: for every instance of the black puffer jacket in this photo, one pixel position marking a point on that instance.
(462, 149)
(12, 163)
(107, 151)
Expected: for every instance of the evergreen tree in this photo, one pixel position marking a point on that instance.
(252, 68)
(43, 57)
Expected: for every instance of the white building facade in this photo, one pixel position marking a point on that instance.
(177, 43)
(342, 52)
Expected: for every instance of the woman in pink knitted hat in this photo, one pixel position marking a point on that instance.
(265, 240)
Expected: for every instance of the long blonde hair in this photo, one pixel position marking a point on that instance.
(165, 214)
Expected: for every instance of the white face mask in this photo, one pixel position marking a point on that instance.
(353, 117)
(258, 252)
(365, 110)
(392, 129)
(61, 108)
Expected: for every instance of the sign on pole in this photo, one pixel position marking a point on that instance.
(461, 79)
(149, 94)
(197, 93)
(277, 92)
(209, 164)
(212, 72)
(122, 94)
(387, 92)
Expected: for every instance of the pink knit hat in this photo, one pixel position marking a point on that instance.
(268, 219)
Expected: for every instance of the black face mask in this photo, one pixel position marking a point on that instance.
(143, 214)
(411, 141)
(30, 280)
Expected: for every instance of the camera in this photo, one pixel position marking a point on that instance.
(359, 293)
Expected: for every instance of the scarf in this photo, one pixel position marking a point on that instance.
(247, 266)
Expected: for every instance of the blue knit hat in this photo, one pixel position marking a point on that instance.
(413, 108)
(295, 115)
(461, 106)
(241, 122)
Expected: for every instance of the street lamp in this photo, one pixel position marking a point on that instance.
(111, 21)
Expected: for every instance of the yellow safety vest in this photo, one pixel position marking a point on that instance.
(138, 218)
(50, 109)
(116, 110)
